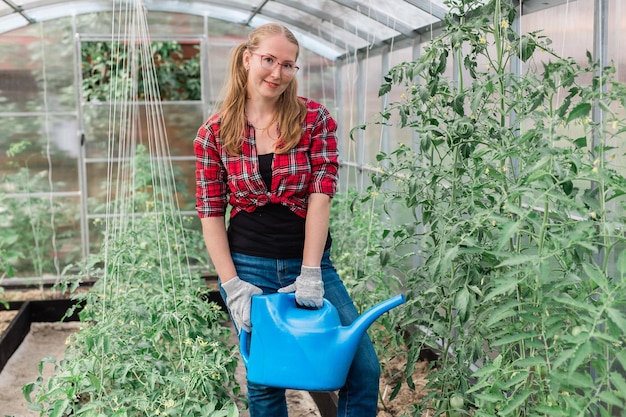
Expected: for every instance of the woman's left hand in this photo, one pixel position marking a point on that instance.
(309, 287)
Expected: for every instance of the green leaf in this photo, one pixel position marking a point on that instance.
(621, 357)
(610, 398)
(526, 363)
(563, 357)
(581, 142)
(621, 263)
(461, 303)
(547, 410)
(501, 313)
(504, 286)
(27, 390)
(619, 382)
(527, 48)
(596, 276)
(575, 303)
(59, 408)
(486, 370)
(515, 402)
(513, 338)
(580, 111)
(508, 230)
(489, 397)
(581, 355)
(458, 104)
(518, 260)
(617, 317)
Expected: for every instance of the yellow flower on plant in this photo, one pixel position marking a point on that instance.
(169, 403)
(482, 40)
(504, 24)
(593, 215)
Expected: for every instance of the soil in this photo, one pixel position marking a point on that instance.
(48, 339)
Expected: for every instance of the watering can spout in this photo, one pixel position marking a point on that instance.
(365, 320)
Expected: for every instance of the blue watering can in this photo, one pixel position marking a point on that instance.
(296, 348)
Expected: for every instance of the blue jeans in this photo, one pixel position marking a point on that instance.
(359, 396)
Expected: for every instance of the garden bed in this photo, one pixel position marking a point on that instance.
(41, 317)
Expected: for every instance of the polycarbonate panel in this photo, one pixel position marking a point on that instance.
(49, 234)
(36, 68)
(323, 15)
(38, 154)
(329, 27)
(185, 174)
(405, 13)
(181, 121)
(373, 21)
(108, 181)
(316, 79)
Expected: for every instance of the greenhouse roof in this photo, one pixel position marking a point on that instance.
(332, 28)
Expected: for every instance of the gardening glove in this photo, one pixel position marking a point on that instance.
(239, 300)
(309, 287)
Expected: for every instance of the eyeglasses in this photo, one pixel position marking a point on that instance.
(268, 62)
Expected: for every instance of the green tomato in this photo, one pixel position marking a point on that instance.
(456, 401)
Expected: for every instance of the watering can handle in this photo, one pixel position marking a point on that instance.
(244, 346)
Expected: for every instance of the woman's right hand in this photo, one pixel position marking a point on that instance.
(239, 300)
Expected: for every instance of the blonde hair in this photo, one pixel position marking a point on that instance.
(292, 110)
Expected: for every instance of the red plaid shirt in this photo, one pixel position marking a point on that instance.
(310, 167)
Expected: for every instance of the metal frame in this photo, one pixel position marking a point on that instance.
(331, 30)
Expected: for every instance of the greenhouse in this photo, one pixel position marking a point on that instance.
(470, 171)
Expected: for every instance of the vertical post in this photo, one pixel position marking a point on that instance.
(82, 164)
(600, 54)
(416, 53)
(205, 70)
(384, 100)
(339, 117)
(600, 38)
(360, 105)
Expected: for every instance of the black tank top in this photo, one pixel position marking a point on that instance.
(270, 231)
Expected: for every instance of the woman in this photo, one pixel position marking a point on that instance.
(272, 156)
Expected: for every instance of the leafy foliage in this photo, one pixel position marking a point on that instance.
(108, 66)
(28, 224)
(150, 343)
(518, 217)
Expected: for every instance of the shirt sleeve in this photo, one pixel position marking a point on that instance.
(323, 153)
(211, 180)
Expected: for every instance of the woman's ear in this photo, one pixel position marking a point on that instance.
(246, 59)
